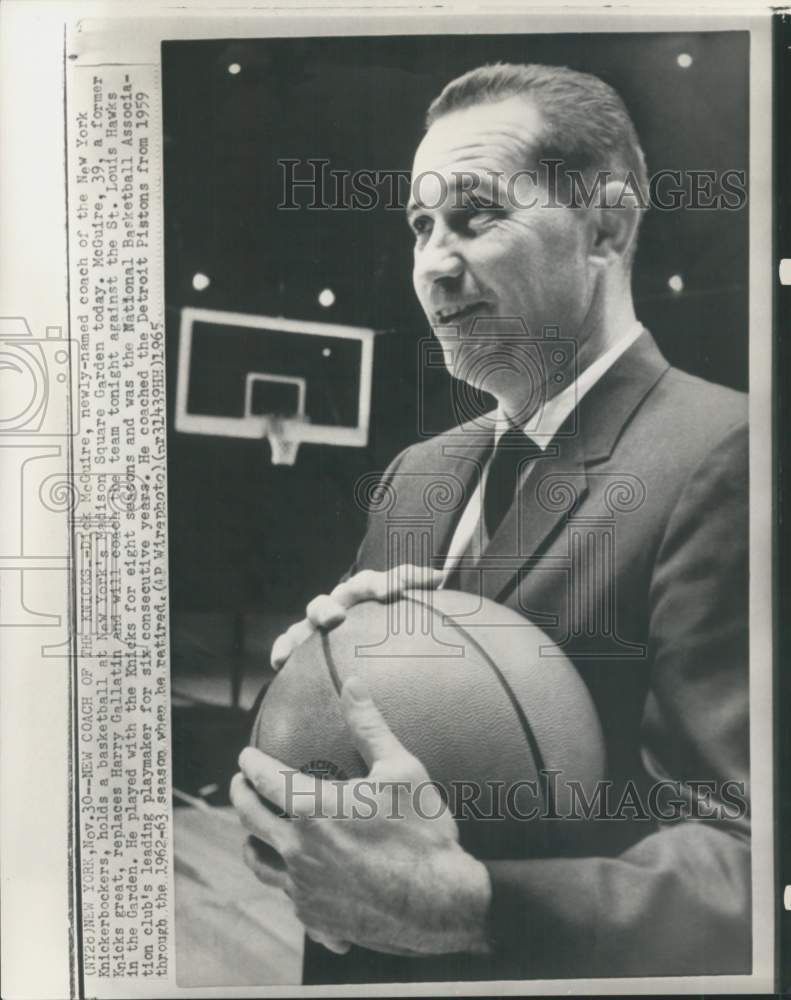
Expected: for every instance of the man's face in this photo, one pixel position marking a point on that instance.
(492, 278)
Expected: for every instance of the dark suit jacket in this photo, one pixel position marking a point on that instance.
(628, 545)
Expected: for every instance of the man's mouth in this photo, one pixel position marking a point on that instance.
(456, 313)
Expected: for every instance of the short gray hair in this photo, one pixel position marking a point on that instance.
(587, 126)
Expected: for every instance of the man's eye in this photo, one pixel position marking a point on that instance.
(482, 214)
(478, 217)
(421, 225)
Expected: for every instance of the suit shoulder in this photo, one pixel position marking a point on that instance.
(690, 415)
(709, 402)
(427, 451)
(683, 428)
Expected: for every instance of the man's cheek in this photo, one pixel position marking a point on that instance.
(416, 282)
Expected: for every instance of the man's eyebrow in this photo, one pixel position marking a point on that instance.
(462, 183)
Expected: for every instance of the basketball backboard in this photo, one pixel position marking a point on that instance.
(248, 376)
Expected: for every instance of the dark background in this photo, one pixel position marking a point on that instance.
(250, 543)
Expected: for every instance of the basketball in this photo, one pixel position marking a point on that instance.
(497, 714)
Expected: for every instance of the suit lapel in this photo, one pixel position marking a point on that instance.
(431, 498)
(462, 465)
(557, 484)
(609, 406)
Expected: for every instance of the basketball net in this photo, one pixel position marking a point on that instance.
(283, 435)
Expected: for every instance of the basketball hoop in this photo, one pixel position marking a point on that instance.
(284, 431)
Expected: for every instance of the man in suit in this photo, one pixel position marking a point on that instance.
(606, 500)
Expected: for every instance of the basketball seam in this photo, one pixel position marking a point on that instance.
(544, 788)
(329, 660)
(538, 758)
(332, 670)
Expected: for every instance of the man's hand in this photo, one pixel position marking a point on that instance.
(373, 861)
(328, 610)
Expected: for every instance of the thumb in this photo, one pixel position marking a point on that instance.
(335, 945)
(372, 736)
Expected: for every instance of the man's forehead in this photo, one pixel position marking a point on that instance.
(489, 136)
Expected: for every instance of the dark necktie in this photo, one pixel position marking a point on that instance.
(514, 451)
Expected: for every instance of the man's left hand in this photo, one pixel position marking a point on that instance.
(372, 861)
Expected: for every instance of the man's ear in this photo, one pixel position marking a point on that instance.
(614, 222)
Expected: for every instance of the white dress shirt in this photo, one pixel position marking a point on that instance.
(470, 537)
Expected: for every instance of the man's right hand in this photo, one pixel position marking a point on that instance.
(328, 610)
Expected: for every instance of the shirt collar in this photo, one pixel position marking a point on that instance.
(547, 420)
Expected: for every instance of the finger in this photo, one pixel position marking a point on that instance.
(371, 734)
(286, 643)
(325, 612)
(333, 944)
(295, 793)
(281, 650)
(266, 864)
(410, 577)
(391, 949)
(258, 820)
(372, 585)
(369, 585)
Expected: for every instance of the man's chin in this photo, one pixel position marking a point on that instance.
(479, 367)
(475, 381)
(460, 362)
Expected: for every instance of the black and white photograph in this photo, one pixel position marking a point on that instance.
(391, 564)
(458, 360)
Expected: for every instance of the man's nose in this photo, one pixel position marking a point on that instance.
(439, 260)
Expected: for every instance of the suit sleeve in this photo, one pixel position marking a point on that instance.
(678, 901)
(371, 553)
